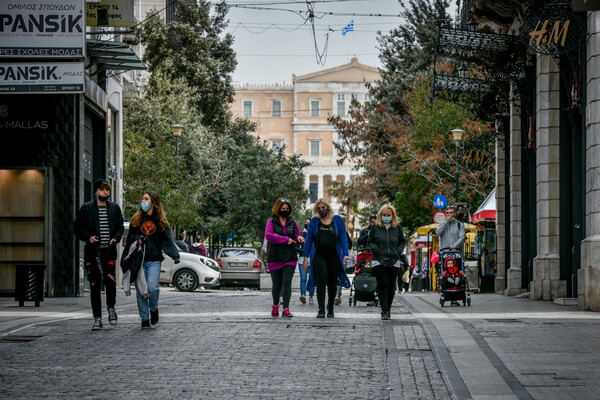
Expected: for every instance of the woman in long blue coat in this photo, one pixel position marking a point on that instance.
(327, 246)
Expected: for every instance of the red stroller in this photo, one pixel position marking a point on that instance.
(364, 284)
(454, 282)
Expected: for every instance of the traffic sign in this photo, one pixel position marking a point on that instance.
(440, 201)
(439, 217)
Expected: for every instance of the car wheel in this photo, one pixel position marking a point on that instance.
(185, 280)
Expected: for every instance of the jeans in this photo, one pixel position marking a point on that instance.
(98, 273)
(152, 271)
(303, 279)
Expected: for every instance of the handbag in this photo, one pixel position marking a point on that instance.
(406, 276)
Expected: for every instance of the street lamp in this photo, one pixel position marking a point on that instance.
(462, 71)
(176, 129)
(457, 135)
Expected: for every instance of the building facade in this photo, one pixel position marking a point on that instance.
(295, 116)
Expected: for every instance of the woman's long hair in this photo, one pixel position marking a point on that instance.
(157, 212)
(383, 208)
(316, 208)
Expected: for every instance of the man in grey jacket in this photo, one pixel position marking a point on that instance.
(451, 231)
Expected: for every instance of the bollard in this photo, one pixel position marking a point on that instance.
(29, 283)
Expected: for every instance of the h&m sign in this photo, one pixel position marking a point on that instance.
(553, 32)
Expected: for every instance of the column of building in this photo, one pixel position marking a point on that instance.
(500, 281)
(513, 284)
(546, 282)
(588, 277)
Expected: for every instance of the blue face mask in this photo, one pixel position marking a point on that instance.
(145, 206)
(386, 220)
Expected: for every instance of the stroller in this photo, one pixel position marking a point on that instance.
(453, 283)
(364, 284)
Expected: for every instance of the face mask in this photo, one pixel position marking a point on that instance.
(145, 206)
(102, 198)
(323, 213)
(386, 220)
(284, 213)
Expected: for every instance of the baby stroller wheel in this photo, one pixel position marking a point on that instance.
(442, 302)
(350, 301)
(469, 302)
(355, 302)
(464, 303)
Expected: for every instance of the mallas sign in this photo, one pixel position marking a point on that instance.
(42, 28)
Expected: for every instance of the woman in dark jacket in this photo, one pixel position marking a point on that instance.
(386, 241)
(151, 224)
(282, 235)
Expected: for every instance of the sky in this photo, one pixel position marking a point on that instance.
(271, 45)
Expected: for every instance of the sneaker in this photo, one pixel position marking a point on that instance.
(321, 314)
(154, 317)
(146, 324)
(112, 316)
(337, 301)
(286, 313)
(385, 315)
(311, 301)
(275, 311)
(330, 311)
(302, 299)
(97, 324)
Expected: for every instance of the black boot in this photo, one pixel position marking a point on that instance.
(321, 313)
(330, 311)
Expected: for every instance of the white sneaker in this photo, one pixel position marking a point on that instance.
(310, 300)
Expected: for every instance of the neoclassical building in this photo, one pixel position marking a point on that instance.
(295, 116)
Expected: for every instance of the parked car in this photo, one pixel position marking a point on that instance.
(240, 266)
(211, 263)
(190, 273)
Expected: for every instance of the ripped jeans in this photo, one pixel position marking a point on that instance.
(96, 274)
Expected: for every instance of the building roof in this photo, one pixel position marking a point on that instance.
(351, 72)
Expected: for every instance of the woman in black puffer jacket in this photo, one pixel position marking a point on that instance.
(386, 241)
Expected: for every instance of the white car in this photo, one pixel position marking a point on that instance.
(190, 273)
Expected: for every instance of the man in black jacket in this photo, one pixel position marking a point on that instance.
(99, 223)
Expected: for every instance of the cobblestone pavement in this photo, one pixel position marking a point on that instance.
(216, 345)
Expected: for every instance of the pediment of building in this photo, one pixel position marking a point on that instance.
(351, 72)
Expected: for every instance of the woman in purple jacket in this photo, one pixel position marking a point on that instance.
(282, 234)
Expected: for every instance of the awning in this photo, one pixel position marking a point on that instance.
(430, 229)
(116, 56)
(487, 210)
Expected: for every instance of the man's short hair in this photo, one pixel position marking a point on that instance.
(451, 208)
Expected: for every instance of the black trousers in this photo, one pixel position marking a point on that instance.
(386, 285)
(282, 284)
(326, 272)
(96, 273)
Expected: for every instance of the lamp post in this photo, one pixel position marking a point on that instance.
(176, 129)
(457, 135)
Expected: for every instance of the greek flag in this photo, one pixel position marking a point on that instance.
(348, 28)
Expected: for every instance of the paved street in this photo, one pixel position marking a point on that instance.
(225, 345)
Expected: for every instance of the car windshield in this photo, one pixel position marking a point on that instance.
(245, 253)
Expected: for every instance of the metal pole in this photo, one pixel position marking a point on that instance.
(456, 191)
(177, 147)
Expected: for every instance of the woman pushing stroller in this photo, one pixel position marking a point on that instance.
(386, 241)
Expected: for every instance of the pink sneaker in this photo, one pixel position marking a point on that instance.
(275, 312)
(286, 313)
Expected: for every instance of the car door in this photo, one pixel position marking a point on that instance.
(166, 269)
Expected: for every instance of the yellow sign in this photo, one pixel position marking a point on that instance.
(116, 13)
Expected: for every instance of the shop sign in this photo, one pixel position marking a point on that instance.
(474, 157)
(117, 13)
(44, 77)
(42, 28)
(586, 5)
(16, 115)
(553, 33)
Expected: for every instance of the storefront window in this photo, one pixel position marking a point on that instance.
(22, 222)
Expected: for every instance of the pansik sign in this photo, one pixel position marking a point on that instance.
(42, 28)
(42, 77)
(110, 13)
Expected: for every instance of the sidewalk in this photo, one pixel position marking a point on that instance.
(224, 345)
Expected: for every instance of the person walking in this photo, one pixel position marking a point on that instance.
(303, 273)
(451, 231)
(386, 241)
(99, 223)
(282, 235)
(326, 248)
(181, 244)
(364, 233)
(149, 226)
(351, 261)
(198, 247)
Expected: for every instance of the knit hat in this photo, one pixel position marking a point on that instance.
(100, 182)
